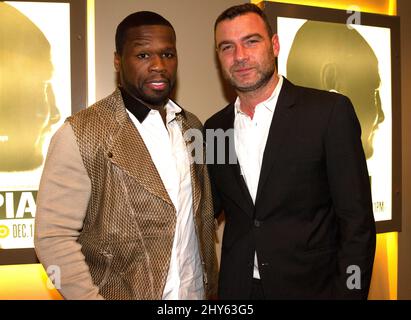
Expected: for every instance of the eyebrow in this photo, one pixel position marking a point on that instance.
(251, 36)
(242, 39)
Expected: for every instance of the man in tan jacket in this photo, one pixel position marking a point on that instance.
(122, 212)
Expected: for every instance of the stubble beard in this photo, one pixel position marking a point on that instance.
(264, 76)
(261, 82)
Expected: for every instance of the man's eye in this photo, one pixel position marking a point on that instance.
(142, 55)
(251, 41)
(226, 47)
(168, 55)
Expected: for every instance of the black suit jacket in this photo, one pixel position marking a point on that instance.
(312, 223)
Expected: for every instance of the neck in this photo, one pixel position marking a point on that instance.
(157, 107)
(249, 100)
(160, 108)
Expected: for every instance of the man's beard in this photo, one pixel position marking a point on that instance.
(156, 98)
(264, 78)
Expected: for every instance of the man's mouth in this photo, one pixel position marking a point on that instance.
(242, 70)
(157, 84)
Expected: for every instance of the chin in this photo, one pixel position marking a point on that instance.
(157, 101)
(369, 152)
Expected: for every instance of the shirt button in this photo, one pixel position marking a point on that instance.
(110, 154)
(257, 223)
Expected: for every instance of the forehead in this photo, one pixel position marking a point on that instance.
(240, 26)
(151, 35)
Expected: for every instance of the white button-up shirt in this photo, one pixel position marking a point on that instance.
(250, 138)
(169, 154)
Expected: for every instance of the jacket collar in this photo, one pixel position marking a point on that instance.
(128, 151)
(279, 127)
(278, 130)
(135, 106)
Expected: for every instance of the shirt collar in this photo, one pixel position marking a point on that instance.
(172, 109)
(141, 111)
(269, 103)
(137, 108)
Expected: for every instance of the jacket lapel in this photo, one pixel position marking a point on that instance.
(278, 130)
(128, 151)
(240, 191)
(195, 168)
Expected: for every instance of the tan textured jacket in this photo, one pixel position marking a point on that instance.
(127, 232)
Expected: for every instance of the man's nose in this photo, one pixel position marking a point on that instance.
(240, 53)
(157, 64)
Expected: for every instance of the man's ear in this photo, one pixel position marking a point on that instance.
(117, 61)
(329, 77)
(276, 45)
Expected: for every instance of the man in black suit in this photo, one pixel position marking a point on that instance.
(297, 200)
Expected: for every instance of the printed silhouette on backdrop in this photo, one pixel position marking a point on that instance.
(27, 103)
(333, 57)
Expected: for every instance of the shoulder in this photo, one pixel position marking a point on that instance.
(192, 120)
(63, 146)
(216, 120)
(101, 106)
(318, 102)
(312, 95)
(101, 111)
(96, 122)
(332, 109)
(306, 95)
(63, 136)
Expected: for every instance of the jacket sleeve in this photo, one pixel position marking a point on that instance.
(62, 202)
(351, 196)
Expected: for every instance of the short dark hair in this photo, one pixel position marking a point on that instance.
(137, 19)
(242, 9)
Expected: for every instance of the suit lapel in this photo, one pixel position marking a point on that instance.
(240, 193)
(195, 168)
(278, 130)
(128, 151)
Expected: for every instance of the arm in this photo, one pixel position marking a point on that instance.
(351, 196)
(61, 208)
